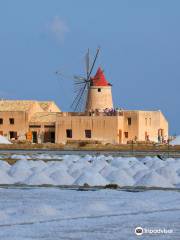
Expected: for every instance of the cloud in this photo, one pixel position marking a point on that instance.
(58, 28)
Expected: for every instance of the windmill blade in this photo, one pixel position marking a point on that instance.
(79, 83)
(63, 75)
(78, 87)
(82, 102)
(79, 78)
(87, 60)
(95, 58)
(78, 97)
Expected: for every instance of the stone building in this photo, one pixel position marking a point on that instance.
(41, 122)
(120, 127)
(101, 122)
(19, 117)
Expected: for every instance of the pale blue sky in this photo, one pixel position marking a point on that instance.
(140, 50)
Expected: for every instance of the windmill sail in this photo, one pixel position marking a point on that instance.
(82, 83)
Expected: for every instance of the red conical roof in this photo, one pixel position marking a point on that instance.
(99, 79)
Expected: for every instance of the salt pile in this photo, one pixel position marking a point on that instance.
(5, 178)
(39, 179)
(153, 179)
(62, 178)
(121, 178)
(92, 179)
(4, 140)
(175, 141)
(93, 170)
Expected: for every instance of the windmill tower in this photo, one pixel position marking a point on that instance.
(99, 95)
(93, 93)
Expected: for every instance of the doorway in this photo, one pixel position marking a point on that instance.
(160, 135)
(13, 135)
(34, 137)
(49, 136)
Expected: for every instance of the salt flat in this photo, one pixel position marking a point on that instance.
(52, 213)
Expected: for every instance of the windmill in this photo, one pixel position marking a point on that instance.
(91, 93)
(82, 84)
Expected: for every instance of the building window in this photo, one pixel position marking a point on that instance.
(69, 133)
(11, 120)
(126, 134)
(88, 133)
(13, 135)
(99, 89)
(129, 121)
(1, 120)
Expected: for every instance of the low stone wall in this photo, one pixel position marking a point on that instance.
(92, 147)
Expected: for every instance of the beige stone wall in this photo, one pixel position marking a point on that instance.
(164, 125)
(131, 127)
(120, 130)
(41, 129)
(53, 108)
(99, 99)
(149, 123)
(34, 109)
(114, 129)
(20, 123)
(143, 124)
(103, 128)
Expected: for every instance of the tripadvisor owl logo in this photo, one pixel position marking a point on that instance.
(138, 231)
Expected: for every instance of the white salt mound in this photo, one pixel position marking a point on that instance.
(92, 179)
(141, 174)
(93, 170)
(55, 167)
(107, 170)
(170, 174)
(20, 171)
(62, 178)
(121, 178)
(5, 178)
(76, 173)
(20, 175)
(4, 166)
(153, 179)
(39, 179)
(4, 140)
(175, 141)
